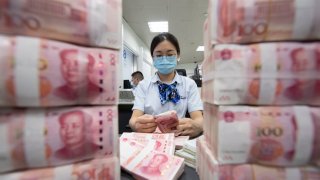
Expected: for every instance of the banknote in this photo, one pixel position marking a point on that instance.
(145, 163)
(280, 136)
(39, 72)
(242, 21)
(208, 168)
(33, 138)
(167, 122)
(164, 142)
(87, 22)
(266, 74)
(96, 169)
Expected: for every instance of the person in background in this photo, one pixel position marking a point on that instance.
(136, 77)
(167, 90)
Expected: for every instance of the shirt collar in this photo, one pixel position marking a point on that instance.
(177, 78)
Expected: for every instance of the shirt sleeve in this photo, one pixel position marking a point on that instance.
(194, 100)
(139, 98)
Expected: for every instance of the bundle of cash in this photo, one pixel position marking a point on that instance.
(39, 72)
(241, 21)
(208, 168)
(280, 136)
(167, 122)
(33, 138)
(144, 162)
(86, 22)
(266, 74)
(163, 142)
(96, 169)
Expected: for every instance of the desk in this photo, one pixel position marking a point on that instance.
(188, 174)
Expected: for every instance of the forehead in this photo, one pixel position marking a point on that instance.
(165, 46)
(72, 118)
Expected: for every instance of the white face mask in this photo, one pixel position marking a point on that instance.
(132, 84)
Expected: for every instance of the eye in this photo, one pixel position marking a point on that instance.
(158, 55)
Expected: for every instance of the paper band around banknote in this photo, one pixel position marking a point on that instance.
(96, 169)
(38, 72)
(166, 120)
(209, 168)
(283, 73)
(33, 138)
(243, 21)
(87, 22)
(279, 136)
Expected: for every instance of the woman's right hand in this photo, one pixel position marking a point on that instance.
(145, 124)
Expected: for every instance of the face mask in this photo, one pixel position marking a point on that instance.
(165, 64)
(132, 84)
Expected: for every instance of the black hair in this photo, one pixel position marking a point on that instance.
(138, 74)
(164, 36)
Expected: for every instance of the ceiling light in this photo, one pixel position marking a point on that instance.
(160, 26)
(200, 48)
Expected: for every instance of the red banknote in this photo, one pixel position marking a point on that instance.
(167, 121)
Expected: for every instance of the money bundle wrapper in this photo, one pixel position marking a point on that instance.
(282, 73)
(41, 73)
(87, 22)
(33, 138)
(278, 136)
(243, 21)
(143, 161)
(96, 169)
(208, 168)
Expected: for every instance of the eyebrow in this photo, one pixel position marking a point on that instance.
(166, 51)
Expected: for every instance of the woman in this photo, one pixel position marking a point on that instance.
(167, 90)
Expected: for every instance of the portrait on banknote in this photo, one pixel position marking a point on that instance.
(76, 69)
(154, 165)
(75, 132)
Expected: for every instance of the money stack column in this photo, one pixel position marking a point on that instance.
(261, 84)
(58, 89)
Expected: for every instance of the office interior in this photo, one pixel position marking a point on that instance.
(185, 20)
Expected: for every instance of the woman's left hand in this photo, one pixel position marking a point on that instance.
(188, 127)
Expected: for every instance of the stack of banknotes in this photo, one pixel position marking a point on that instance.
(261, 90)
(209, 168)
(58, 89)
(94, 23)
(188, 152)
(150, 156)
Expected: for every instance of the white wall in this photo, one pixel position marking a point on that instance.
(189, 67)
(143, 60)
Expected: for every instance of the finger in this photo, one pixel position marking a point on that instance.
(181, 127)
(149, 125)
(186, 132)
(145, 120)
(146, 125)
(148, 130)
(177, 133)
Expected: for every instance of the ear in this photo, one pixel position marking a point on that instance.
(178, 58)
